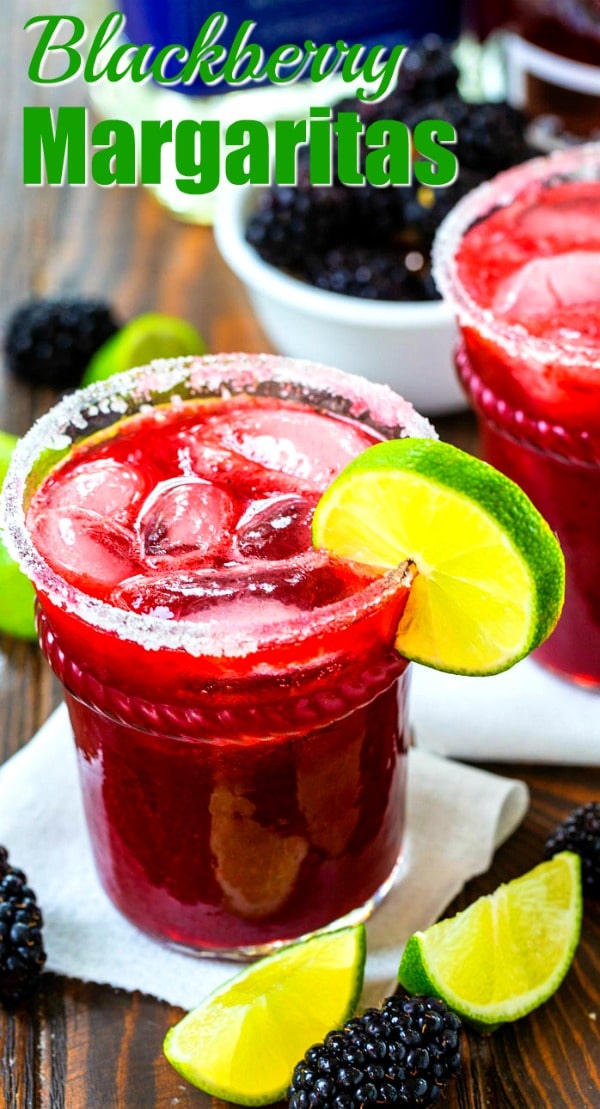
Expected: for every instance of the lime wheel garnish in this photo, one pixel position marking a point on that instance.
(489, 583)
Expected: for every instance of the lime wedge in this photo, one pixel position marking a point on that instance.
(505, 954)
(143, 339)
(16, 599)
(16, 591)
(8, 443)
(243, 1042)
(490, 574)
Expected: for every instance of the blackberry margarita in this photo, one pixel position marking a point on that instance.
(237, 703)
(519, 259)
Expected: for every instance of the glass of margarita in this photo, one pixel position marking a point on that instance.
(237, 703)
(519, 259)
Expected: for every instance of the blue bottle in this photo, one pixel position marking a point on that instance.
(162, 22)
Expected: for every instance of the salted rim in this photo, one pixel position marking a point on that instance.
(219, 375)
(580, 163)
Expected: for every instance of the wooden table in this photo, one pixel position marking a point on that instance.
(77, 1045)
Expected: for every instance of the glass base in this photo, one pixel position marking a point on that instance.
(256, 951)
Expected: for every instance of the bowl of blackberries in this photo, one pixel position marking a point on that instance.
(341, 274)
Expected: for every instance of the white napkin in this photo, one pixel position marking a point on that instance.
(523, 715)
(457, 816)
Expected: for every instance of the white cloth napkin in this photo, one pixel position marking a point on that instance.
(523, 715)
(457, 816)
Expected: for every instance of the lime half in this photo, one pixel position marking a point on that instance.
(490, 573)
(153, 335)
(16, 591)
(505, 954)
(243, 1042)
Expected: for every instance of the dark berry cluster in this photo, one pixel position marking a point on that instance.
(580, 833)
(490, 137)
(22, 954)
(50, 342)
(401, 1054)
(292, 219)
(373, 273)
(362, 240)
(428, 72)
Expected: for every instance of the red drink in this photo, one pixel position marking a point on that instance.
(237, 703)
(520, 260)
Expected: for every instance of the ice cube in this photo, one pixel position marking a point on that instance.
(306, 445)
(563, 220)
(88, 550)
(184, 520)
(202, 595)
(105, 486)
(276, 528)
(544, 286)
(211, 460)
(250, 593)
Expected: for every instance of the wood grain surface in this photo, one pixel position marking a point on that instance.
(83, 1046)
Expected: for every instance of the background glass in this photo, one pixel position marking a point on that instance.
(538, 403)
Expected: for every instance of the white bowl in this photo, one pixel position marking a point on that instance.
(407, 345)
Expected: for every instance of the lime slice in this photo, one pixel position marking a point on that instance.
(143, 339)
(8, 443)
(16, 599)
(505, 954)
(490, 574)
(243, 1042)
(16, 591)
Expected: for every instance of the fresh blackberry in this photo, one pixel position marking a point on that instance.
(373, 242)
(451, 108)
(422, 285)
(369, 272)
(490, 137)
(401, 1054)
(373, 273)
(22, 954)
(50, 342)
(427, 71)
(393, 106)
(289, 219)
(580, 833)
(425, 208)
(367, 110)
(376, 214)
